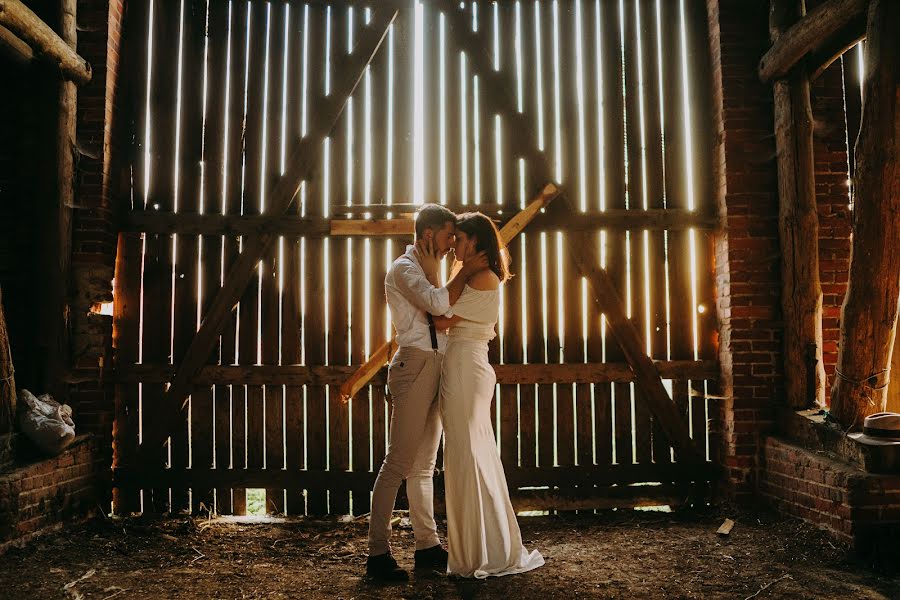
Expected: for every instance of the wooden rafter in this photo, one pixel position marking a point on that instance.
(24, 24)
(586, 261)
(300, 167)
(383, 353)
(808, 34)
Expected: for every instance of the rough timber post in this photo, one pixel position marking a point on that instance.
(798, 226)
(869, 313)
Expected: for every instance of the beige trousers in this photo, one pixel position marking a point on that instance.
(414, 378)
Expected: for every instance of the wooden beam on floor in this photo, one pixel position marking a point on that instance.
(807, 34)
(869, 312)
(383, 353)
(304, 159)
(798, 226)
(23, 23)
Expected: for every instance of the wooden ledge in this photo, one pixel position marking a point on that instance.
(814, 431)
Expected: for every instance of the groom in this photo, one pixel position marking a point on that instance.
(414, 376)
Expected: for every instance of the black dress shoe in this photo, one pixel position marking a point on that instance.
(383, 567)
(432, 558)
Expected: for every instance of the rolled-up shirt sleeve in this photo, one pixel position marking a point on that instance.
(416, 288)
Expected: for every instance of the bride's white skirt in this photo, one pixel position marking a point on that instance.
(483, 536)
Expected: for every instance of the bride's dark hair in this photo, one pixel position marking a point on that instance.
(488, 239)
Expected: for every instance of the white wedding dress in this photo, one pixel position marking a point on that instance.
(483, 536)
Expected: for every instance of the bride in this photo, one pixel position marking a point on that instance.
(483, 537)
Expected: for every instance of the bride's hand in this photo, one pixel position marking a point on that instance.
(475, 263)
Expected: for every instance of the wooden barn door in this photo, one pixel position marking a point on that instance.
(616, 96)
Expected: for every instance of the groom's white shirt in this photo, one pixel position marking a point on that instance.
(409, 296)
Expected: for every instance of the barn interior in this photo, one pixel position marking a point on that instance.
(199, 200)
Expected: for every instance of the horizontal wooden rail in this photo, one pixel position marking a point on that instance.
(195, 224)
(336, 375)
(558, 477)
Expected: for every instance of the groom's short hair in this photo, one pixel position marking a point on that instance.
(432, 216)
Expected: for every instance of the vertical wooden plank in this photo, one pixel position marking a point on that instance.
(314, 316)
(700, 99)
(635, 194)
(129, 259)
(249, 326)
(570, 283)
(270, 314)
(614, 182)
(403, 33)
(513, 198)
(127, 307)
(203, 401)
(653, 242)
(291, 318)
(229, 399)
(187, 267)
(531, 286)
(339, 273)
(157, 293)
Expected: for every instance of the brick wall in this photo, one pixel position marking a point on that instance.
(94, 237)
(747, 250)
(46, 493)
(858, 507)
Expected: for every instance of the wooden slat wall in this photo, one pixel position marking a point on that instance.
(319, 300)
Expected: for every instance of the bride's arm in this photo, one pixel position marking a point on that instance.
(444, 323)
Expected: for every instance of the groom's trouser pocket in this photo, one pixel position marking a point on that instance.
(403, 371)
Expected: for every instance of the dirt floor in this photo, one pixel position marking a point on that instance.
(617, 554)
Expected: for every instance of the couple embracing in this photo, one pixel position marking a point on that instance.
(440, 380)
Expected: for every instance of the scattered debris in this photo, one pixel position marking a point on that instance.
(69, 588)
(726, 527)
(768, 585)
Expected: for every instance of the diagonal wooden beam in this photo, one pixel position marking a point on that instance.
(383, 353)
(300, 167)
(809, 33)
(581, 244)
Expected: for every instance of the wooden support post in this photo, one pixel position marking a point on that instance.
(806, 35)
(383, 353)
(798, 225)
(869, 313)
(7, 379)
(301, 165)
(22, 22)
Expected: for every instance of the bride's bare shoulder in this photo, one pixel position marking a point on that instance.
(484, 279)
